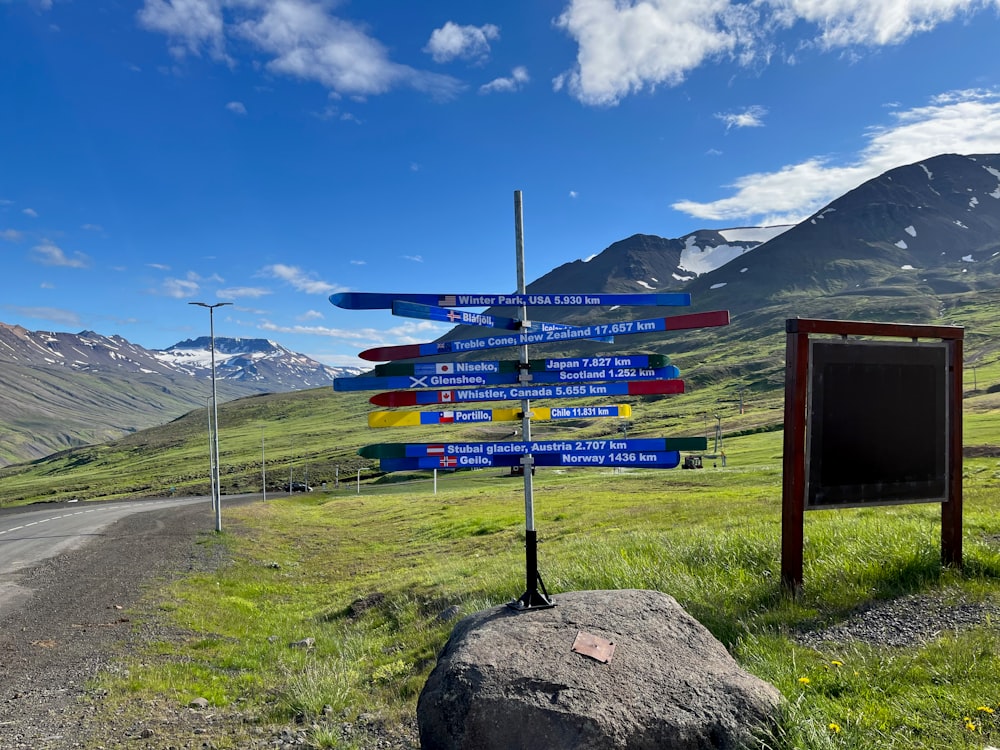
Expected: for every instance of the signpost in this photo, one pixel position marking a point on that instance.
(536, 447)
(523, 379)
(513, 365)
(460, 317)
(361, 383)
(378, 301)
(540, 413)
(649, 325)
(521, 392)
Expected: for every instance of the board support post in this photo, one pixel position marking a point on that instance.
(532, 598)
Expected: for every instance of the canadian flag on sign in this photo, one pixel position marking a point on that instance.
(445, 397)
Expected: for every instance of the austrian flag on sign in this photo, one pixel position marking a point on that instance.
(435, 450)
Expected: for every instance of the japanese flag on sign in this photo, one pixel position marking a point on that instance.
(434, 368)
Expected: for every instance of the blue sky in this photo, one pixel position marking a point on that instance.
(271, 152)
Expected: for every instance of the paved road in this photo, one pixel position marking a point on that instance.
(29, 535)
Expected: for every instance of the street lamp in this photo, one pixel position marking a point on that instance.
(214, 439)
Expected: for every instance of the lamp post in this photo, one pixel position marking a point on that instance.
(214, 439)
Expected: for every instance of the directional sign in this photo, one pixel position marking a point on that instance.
(361, 383)
(513, 365)
(414, 418)
(520, 392)
(636, 459)
(535, 447)
(650, 325)
(460, 317)
(377, 301)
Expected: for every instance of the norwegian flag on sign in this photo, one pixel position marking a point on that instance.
(448, 461)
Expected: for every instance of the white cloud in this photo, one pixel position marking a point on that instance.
(181, 288)
(359, 262)
(962, 122)
(870, 22)
(11, 235)
(304, 41)
(49, 254)
(237, 107)
(625, 47)
(751, 117)
(300, 280)
(410, 332)
(92, 227)
(517, 79)
(51, 314)
(628, 46)
(573, 194)
(414, 258)
(30, 212)
(468, 42)
(191, 25)
(159, 266)
(311, 315)
(241, 292)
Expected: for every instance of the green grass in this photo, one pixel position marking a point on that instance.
(709, 538)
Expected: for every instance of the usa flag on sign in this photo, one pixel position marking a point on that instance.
(447, 301)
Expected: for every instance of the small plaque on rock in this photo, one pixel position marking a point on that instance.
(593, 646)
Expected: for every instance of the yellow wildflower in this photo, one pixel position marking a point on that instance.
(804, 680)
(837, 663)
(970, 726)
(985, 709)
(835, 728)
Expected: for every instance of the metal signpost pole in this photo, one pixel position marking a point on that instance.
(217, 491)
(532, 598)
(263, 469)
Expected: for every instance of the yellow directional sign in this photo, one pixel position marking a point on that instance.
(469, 416)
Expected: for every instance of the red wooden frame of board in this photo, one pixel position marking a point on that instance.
(798, 331)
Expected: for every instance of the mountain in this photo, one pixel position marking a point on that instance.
(63, 389)
(251, 361)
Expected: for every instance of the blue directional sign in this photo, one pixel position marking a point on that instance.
(362, 383)
(521, 392)
(378, 301)
(460, 317)
(636, 459)
(535, 447)
(645, 361)
(650, 325)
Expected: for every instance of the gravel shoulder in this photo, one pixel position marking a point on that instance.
(75, 621)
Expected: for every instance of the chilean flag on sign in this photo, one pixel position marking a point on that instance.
(447, 417)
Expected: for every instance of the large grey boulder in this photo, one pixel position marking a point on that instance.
(508, 680)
